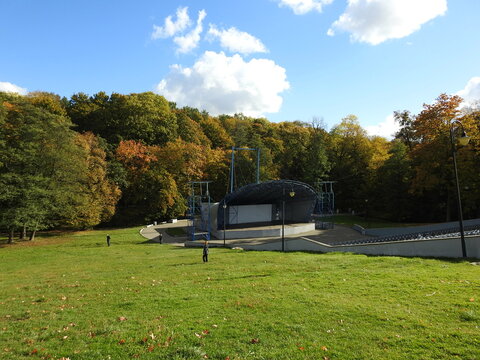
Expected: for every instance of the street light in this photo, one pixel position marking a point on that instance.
(283, 218)
(292, 194)
(463, 140)
(224, 221)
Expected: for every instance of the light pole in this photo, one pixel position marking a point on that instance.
(224, 222)
(283, 218)
(292, 194)
(462, 140)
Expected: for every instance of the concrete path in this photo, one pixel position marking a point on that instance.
(153, 232)
(332, 236)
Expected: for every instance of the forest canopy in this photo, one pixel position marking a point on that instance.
(127, 159)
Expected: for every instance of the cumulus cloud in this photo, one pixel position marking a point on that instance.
(237, 41)
(222, 84)
(170, 28)
(386, 128)
(190, 41)
(471, 92)
(12, 88)
(301, 7)
(375, 21)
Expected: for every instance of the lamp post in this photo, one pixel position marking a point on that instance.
(224, 222)
(283, 218)
(292, 194)
(462, 140)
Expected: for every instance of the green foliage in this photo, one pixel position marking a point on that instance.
(46, 176)
(144, 117)
(350, 153)
(144, 150)
(393, 180)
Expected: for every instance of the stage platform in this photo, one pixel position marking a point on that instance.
(264, 231)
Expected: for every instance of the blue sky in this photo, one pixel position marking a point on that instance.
(283, 59)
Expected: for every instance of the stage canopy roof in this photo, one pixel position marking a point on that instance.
(270, 192)
(299, 197)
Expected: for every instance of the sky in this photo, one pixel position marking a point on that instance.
(284, 60)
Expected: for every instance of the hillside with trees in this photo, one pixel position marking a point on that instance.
(127, 159)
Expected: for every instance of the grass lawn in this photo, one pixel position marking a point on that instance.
(70, 296)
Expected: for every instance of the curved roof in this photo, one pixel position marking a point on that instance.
(300, 199)
(270, 192)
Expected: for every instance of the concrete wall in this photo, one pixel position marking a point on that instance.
(447, 247)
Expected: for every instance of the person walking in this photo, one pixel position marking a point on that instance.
(108, 240)
(205, 251)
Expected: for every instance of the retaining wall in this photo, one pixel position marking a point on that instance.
(446, 247)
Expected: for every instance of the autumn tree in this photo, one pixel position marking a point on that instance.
(392, 184)
(145, 117)
(151, 192)
(42, 167)
(434, 181)
(350, 154)
(99, 195)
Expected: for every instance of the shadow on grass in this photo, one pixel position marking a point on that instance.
(151, 241)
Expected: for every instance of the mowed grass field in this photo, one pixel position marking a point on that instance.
(69, 296)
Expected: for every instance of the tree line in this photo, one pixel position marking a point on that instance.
(128, 159)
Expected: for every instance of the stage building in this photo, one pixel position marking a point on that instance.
(263, 210)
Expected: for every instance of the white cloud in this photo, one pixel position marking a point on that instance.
(170, 28)
(471, 92)
(375, 21)
(12, 88)
(237, 41)
(301, 7)
(386, 129)
(190, 41)
(222, 84)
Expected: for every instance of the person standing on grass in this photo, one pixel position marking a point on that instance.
(108, 240)
(205, 251)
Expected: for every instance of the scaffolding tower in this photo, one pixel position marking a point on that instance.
(326, 205)
(326, 197)
(199, 203)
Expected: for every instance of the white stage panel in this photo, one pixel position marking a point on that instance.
(243, 214)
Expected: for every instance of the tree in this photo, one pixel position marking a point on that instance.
(350, 153)
(189, 130)
(434, 181)
(40, 166)
(392, 184)
(151, 192)
(145, 117)
(100, 195)
(406, 133)
(317, 163)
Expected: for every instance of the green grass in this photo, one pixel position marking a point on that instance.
(71, 296)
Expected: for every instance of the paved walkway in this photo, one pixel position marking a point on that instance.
(332, 236)
(153, 233)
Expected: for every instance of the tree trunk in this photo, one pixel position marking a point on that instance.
(32, 235)
(23, 234)
(10, 236)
